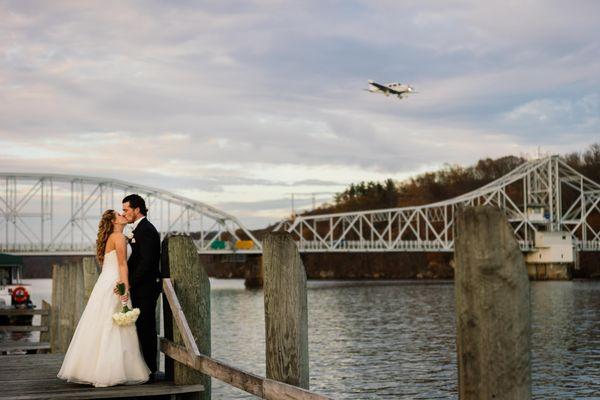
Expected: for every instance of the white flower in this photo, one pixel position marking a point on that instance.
(127, 318)
(129, 235)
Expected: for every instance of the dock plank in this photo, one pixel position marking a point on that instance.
(28, 377)
(23, 312)
(23, 328)
(18, 345)
(155, 389)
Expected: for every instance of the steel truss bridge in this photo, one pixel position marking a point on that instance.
(58, 214)
(543, 195)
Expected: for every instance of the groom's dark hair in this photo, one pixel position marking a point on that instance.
(135, 201)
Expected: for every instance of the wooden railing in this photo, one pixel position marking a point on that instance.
(246, 381)
(41, 346)
(187, 338)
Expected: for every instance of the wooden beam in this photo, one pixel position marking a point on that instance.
(275, 390)
(45, 335)
(258, 386)
(19, 311)
(14, 346)
(112, 392)
(23, 328)
(184, 328)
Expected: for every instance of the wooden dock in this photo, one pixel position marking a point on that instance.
(41, 346)
(33, 376)
(186, 345)
(492, 303)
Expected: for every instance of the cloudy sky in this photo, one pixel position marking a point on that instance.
(239, 104)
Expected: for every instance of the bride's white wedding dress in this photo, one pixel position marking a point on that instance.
(102, 353)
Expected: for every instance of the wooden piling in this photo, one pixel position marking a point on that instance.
(70, 286)
(180, 262)
(254, 273)
(90, 276)
(286, 311)
(45, 321)
(492, 308)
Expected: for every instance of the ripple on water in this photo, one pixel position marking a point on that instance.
(396, 340)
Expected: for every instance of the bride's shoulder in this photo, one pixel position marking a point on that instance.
(117, 236)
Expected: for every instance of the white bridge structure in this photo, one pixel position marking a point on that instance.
(553, 209)
(46, 214)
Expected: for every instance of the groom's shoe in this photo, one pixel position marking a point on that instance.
(151, 379)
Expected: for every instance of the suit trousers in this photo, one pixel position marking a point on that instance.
(146, 328)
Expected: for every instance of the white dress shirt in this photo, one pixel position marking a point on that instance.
(136, 223)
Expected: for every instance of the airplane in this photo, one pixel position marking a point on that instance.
(394, 88)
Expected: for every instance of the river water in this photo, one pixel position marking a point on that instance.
(396, 340)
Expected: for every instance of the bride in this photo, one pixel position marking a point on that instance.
(102, 353)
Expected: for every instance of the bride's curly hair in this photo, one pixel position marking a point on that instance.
(105, 228)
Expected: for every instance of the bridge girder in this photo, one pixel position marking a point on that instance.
(59, 214)
(570, 203)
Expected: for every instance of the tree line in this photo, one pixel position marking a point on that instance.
(446, 183)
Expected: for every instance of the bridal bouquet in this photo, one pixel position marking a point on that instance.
(127, 316)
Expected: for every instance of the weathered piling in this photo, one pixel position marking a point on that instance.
(45, 321)
(254, 275)
(90, 276)
(492, 308)
(67, 304)
(180, 262)
(286, 311)
(71, 285)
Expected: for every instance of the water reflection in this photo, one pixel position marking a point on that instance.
(566, 339)
(396, 340)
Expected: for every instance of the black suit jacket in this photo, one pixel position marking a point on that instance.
(143, 264)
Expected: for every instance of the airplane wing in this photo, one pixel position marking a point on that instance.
(386, 88)
(379, 86)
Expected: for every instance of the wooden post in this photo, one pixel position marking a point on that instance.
(68, 302)
(90, 276)
(181, 263)
(55, 310)
(254, 273)
(492, 308)
(166, 309)
(45, 321)
(286, 311)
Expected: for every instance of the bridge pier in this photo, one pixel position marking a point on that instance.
(550, 272)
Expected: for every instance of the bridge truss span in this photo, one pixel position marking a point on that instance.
(543, 195)
(545, 201)
(59, 214)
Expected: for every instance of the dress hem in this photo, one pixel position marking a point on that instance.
(101, 384)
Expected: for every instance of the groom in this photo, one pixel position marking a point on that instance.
(144, 275)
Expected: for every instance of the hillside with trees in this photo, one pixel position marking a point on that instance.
(446, 183)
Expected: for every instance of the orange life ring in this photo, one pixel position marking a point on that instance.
(20, 295)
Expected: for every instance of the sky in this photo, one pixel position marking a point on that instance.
(240, 103)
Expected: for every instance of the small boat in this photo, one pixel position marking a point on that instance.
(14, 294)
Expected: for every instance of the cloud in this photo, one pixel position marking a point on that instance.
(259, 99)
